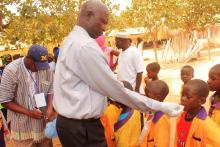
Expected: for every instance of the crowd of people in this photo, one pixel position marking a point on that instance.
(76, 93)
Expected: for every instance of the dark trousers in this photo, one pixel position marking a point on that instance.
(80, 133)
(4, 111)
(2, 140)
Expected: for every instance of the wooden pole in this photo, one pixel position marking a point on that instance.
(209, 36)
(155, 50)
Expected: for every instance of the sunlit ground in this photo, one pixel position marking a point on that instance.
(170, 73)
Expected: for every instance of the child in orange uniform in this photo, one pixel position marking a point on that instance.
(158, 132)
(128, 126)
(214, 85)
(194, 127)
(108, 120)
(186, 74)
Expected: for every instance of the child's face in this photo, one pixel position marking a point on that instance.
(190, 100)
(151, 74)
(214, 81)
(186, 75)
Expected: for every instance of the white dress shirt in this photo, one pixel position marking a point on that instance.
(130, 63)
(52, 66)
(83, 80)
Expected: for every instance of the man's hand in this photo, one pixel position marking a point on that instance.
(171, 109)
(49, 115)
(37, 114)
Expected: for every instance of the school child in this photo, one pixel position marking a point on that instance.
(128, 126)
(152, 72)
(214, 85)
(158, 132)
(186, 73)
(108, 120)
(194, 127)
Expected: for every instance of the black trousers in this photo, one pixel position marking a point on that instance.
(4, 111)
(80, 133)
(2, 140)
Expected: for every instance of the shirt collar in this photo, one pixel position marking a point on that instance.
(81, 30)
(157, 116)
(202, 114)
(25, 68)
(217, 105)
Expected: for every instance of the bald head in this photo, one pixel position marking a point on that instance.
(93, 17)
(93, 5)
(158, 89)
(199, 87)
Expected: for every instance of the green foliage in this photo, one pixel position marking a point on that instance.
(49, 21)
(41, 21)
(175, 14)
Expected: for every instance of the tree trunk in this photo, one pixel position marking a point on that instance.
(155, 50)
(209, 36)
(1, 19)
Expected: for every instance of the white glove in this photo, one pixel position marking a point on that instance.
(171, 109)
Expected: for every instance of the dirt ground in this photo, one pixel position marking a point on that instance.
(170, 73)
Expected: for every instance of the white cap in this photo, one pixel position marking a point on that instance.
(124, 35)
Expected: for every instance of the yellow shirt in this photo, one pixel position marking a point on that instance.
(158, 133)
(127, 135)
(214, 111)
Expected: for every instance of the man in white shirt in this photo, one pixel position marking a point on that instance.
(83, 81)
(130, 62)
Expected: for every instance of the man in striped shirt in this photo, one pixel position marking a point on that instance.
(22, 82)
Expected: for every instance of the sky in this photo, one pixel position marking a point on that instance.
(123, 3)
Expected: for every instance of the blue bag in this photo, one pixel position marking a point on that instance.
(50, 131)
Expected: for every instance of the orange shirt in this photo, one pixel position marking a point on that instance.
(203, 132)
(108, 120)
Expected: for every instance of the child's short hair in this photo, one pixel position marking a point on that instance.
(201, 87)
(158, 87)
(190, 68)
(216, 68)
(127, 85)
(154, 67)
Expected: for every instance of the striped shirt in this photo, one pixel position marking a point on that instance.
(15, 87)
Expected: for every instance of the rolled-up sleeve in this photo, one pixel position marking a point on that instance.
(138, 62)
(8, 85)
(94, 71)
(51, 91)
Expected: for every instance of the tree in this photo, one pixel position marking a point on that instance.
(4, 12)
(44, 22)
(47, 22)
(155, 15)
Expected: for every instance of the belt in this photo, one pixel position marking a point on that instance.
(80, 120)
